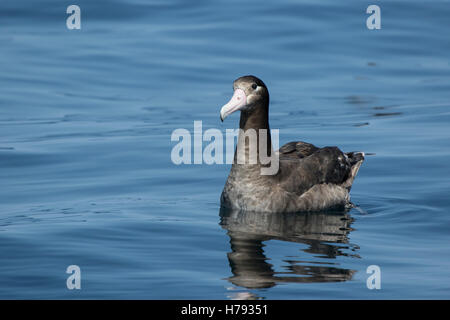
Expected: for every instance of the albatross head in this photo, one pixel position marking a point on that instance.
(250, 93)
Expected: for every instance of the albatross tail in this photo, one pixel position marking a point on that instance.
(356, 158)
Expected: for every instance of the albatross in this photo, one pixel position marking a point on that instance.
(308, 178)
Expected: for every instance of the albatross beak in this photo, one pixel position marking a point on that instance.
(238, 100)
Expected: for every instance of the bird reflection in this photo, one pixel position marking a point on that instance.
(325, 234)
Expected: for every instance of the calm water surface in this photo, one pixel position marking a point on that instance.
(85, 170)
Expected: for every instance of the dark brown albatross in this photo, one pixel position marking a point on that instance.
(308, 179)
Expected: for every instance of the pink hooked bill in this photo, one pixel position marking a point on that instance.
(238, 100)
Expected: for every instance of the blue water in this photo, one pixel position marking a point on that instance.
(86, 176)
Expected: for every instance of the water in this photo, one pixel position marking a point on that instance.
(85, 171)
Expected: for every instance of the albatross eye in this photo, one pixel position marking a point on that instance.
(254, 86)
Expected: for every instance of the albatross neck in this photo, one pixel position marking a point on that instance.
(256, 120)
